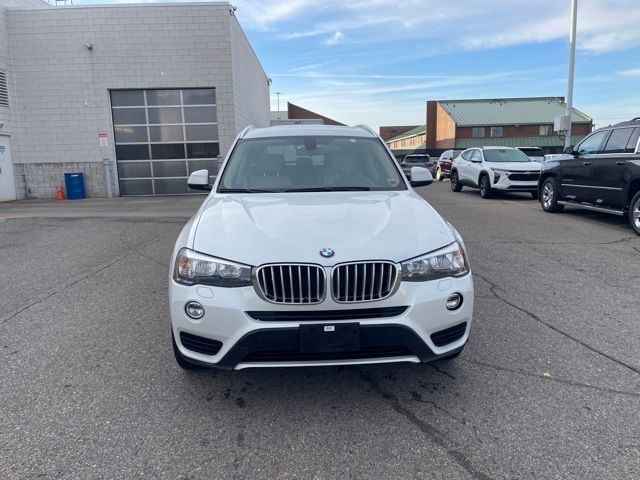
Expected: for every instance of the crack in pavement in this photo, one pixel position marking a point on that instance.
(435, 435)
(15, 313)
(494, 287)
(565, 381)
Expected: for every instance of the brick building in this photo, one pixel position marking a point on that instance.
(296, 114)
(387, 132)
(516, 122)
(159, 89)
(411, 141)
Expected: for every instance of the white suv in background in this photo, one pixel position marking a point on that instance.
(492, 169)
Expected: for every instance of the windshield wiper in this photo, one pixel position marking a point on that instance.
(329, 189)
(246, 190)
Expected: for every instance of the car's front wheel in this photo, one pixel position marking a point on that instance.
(549, 200)
(634, 213)
(180, 360)
(439, 176)
(485, 187)
(455, 182)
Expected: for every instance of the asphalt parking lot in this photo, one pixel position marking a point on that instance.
(548, 387)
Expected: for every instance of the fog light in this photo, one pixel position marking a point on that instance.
(194, 310)
(454, 301)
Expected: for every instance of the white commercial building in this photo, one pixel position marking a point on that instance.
(159, 89)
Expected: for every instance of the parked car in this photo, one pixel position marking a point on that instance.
(417, 160)
(601, 173)
(293, 263)
(443, 170)
(493, 169)
(535, 154)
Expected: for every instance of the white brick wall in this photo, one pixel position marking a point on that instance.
(61, 92)
(250, 83)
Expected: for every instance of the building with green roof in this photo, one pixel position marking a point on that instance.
(514, 122)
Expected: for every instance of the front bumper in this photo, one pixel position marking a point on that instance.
(414, 334)
(507, 184)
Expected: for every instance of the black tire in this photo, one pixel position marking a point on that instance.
(180, 359)
(634, 213)
(549, 196)
(455, 183)
(535, 195)
(485, 186)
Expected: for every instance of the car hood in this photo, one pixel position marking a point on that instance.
(292, 227)
(517, 166)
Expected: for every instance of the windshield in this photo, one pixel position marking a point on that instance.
(504, 155)
(310, 163)
(417, 159)
(532, 152)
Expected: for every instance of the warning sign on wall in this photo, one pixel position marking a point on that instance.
(104, 139)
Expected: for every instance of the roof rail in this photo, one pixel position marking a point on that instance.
(247, 130)
(635, 119)
(367, 128)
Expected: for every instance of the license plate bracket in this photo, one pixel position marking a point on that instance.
(330, 338)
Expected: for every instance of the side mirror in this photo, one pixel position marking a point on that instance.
(571, 151)
(199, 180)
(420, 177)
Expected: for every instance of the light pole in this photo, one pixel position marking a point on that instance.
(572, 61)
(278, 95)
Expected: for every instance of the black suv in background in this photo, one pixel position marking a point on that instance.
(417, 160)
(601, 173)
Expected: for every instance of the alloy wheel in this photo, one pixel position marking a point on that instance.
(636, 214)
(547, 194)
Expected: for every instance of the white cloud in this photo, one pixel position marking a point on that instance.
(602, 25)
(632, 72)
(335, 38)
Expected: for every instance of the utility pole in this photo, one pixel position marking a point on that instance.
(572, 61)
(278, 95)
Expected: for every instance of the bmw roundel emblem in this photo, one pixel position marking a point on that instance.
(327, 252)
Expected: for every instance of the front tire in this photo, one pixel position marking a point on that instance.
(549, 200)
(439, 176)
(485, 187)
(634, 213)
(455, 182)
(180, 359)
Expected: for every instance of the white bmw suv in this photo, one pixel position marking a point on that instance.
(313, 249)
(492, 169)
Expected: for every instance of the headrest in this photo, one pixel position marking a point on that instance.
(272, 163)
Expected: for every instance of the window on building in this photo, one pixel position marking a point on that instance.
(4, 90)
(161, 136)
(546, 130)
(497, 131)
(477, 132)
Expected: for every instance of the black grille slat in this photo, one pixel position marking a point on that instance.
(524, 177)
(327, 315)
(363, 281)
(292, 283)
(199, 344)
(449, 335)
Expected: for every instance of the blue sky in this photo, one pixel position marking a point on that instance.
(379, 61)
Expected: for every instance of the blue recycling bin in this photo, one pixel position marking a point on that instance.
(74, 183)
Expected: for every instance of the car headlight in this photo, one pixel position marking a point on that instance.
(450, 261)
(192, 268)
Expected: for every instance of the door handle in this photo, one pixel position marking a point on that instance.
(586, 164)
(621, 162)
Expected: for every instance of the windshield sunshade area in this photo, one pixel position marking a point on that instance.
(309, 163)
(504, 155)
